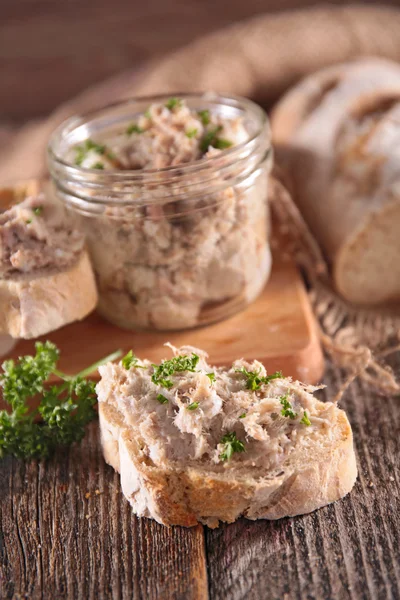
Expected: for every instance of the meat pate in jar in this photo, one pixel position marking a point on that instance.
(172, 193)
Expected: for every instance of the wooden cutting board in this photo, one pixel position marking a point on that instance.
(278, 329)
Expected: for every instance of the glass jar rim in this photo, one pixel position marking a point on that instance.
(194, 166)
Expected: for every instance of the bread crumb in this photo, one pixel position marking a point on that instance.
(87, 495)
(98, 492)
(391, 478)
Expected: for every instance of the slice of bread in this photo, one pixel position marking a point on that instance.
(46, 279)
(209, 449)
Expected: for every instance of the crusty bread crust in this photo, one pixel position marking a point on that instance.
(191, 495)
(31, 306)
(355, 218)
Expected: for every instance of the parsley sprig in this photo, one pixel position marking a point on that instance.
(254, 381)
(231, 445)
(65, 408)
(178, 364)
(287, 410)
(130, 360)
(211, 138)
(82, 150)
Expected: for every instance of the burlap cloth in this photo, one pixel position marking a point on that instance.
(259, 58)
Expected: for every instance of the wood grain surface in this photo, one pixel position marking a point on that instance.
(67, 532)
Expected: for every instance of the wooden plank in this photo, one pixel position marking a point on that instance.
(350, 549)
(68, 532)
(278, 329)
(60, 539)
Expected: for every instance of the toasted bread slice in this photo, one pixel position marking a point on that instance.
(290, 453)
(46, 279)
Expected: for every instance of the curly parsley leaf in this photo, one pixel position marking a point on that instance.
(287, 410)
(231, 445)
(162, 399)
(305, 419)
(173, 103)
(204, 116)
(210, 138)
(191, 133)
(211, 377)
(192, 406)
(65, 408)
(134, 128)
(254, 381)
(178, 364)
(130, 360)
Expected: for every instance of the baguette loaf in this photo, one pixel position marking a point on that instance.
(337, 135)
(46, 279)
(194, 447)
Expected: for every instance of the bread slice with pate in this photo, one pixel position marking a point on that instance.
(195, 443)
(46, 279)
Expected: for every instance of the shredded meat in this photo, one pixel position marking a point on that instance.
(37, 234)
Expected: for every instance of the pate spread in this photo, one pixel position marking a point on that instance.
(179, 255)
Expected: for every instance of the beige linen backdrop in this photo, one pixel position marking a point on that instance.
(258, 58)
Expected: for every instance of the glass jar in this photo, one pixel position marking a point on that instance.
(175, 247)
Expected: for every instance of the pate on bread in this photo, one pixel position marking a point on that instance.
(46, 279)
(195, 443)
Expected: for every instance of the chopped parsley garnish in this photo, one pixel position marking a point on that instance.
(162, 399)
(134, 128)
(65, 408)
(130, 360)
(254, 381)
(191, 133)
(211, 377)
(222, 143)
(88, 145)
(97, 165)
(242, 416)
(231, 445)
(193, 406)
(173, 103)
(178, 364)
(211, 138)
(28, 222)
(38, 210)
(305, 420)
(147, 114)
(287, 410)
(204, 116)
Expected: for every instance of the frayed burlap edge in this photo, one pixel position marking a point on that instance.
(358, 340)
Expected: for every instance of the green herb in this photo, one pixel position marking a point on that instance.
(191, 133)
(167, 368)
(193, 406)
(162, 399)
(287, 410)
(242, 416)
(65, 408)
(222, 143)
(147, 114)
(134, 129)
(211, 138)
(88, 145)
(173, 103)
(97, 165)
(254, 381)
(204, 116)
(28, 222)
(130, 360)
(211, 377)
(38, 210)
(305, 420)
(231, 445)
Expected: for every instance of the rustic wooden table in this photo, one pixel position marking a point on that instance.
(67, 532)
